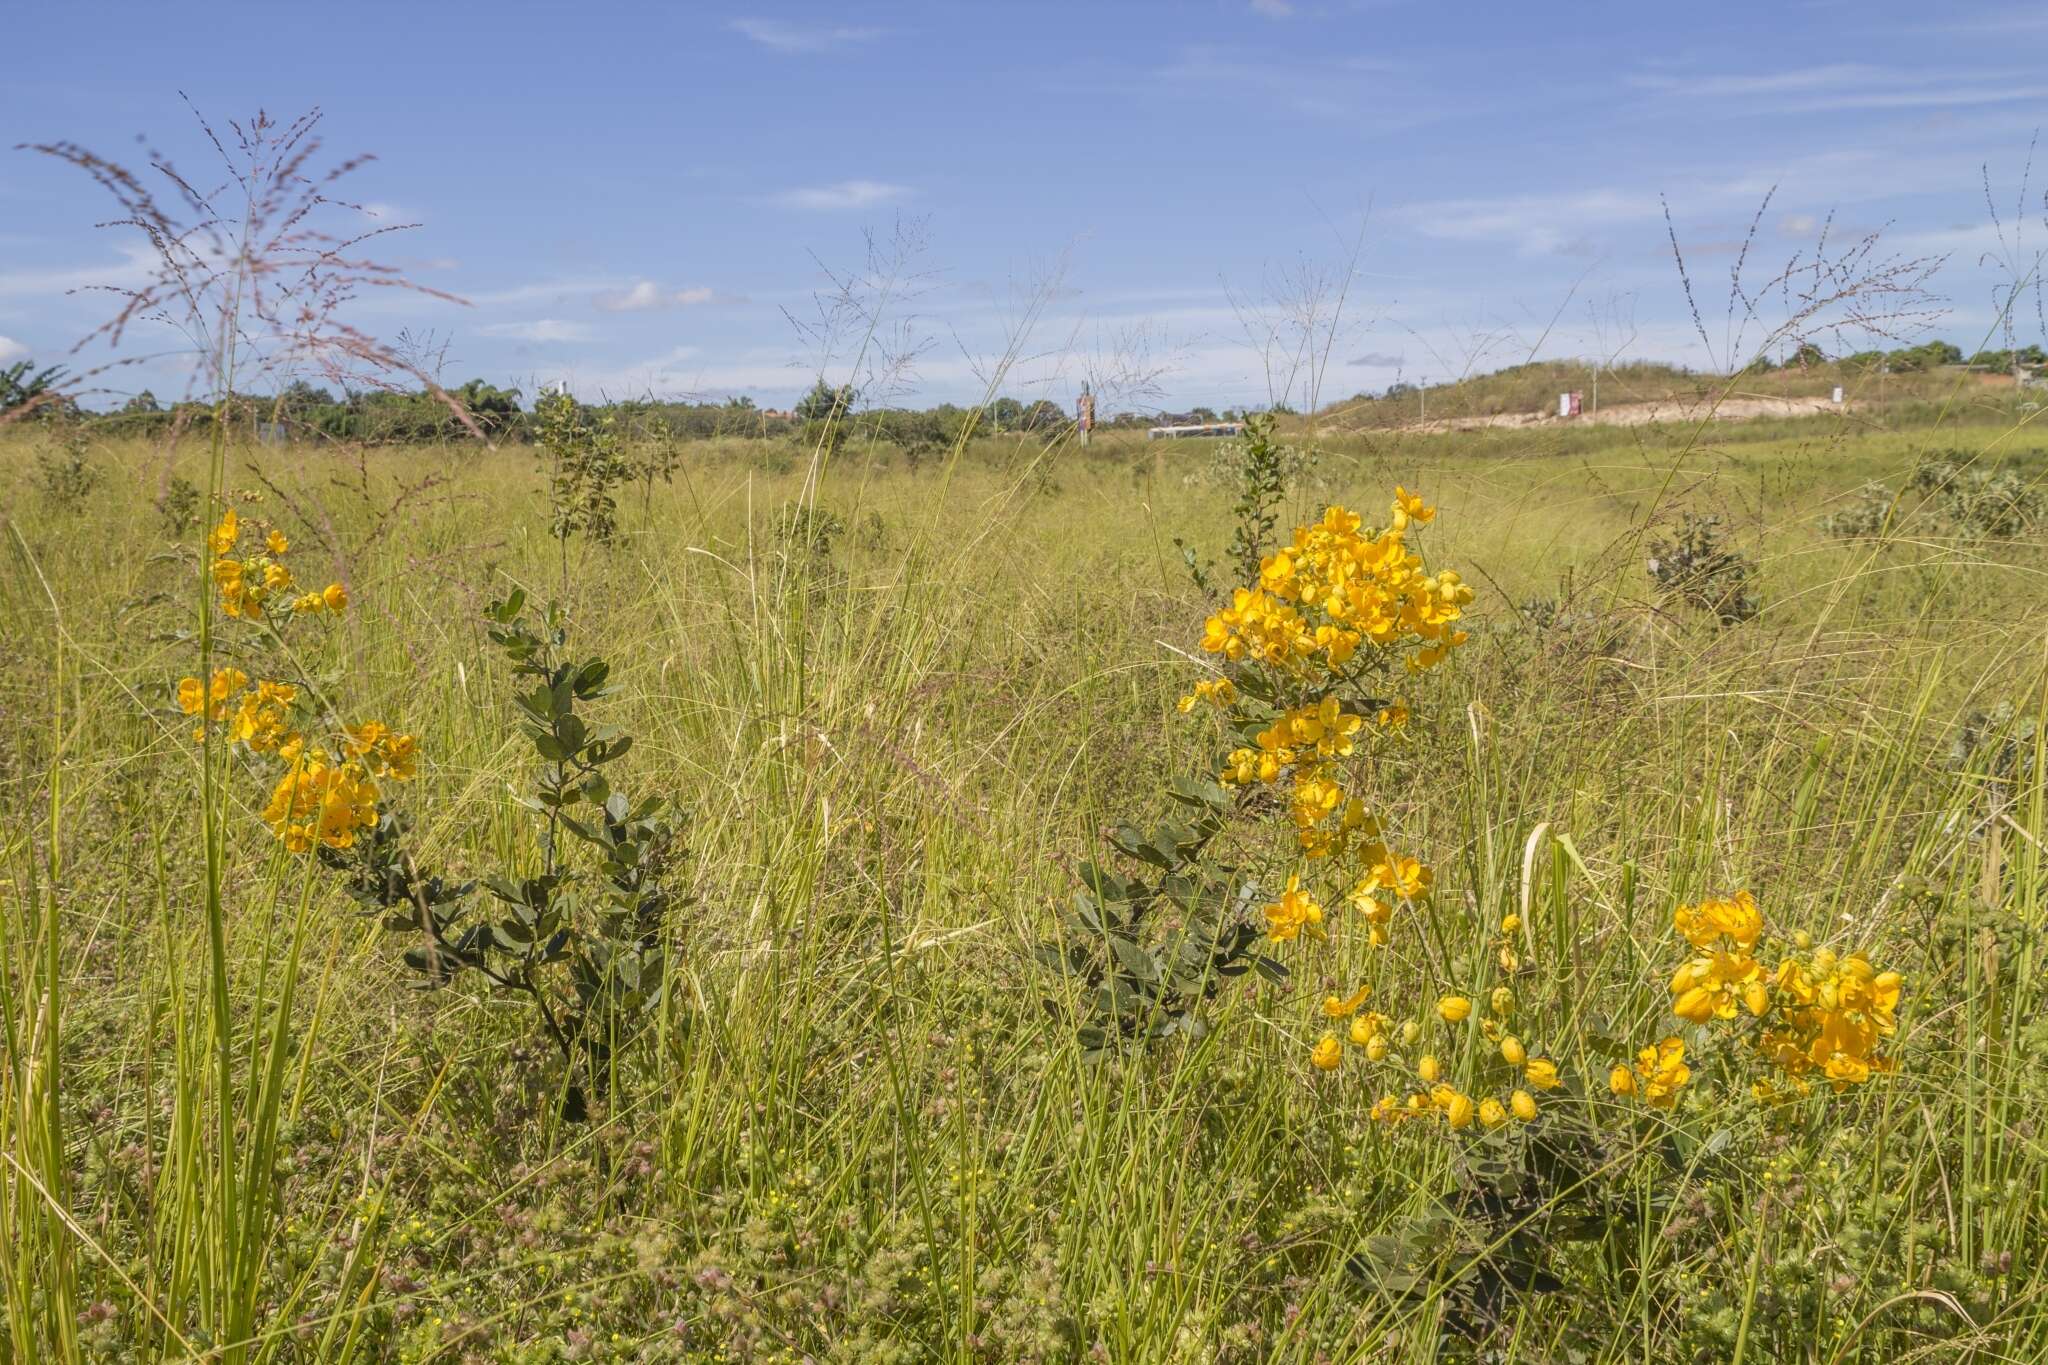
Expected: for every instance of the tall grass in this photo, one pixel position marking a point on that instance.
(231, 1133)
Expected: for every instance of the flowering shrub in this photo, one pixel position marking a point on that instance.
(330, 773)
(588, 958)
(1311, 656)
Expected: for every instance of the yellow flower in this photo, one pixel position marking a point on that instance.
(1333, 1008)
(1454, 1009)
(1492, 1112)
(1712, 987)
(1408, 507)
(1429, 1069)
(336, 597)
(1734, 918)
(1327, 1054)
(277, 543)
(1660, 1073)
(223, 537)
(382, 752)
(1512, 1052)
(1377, 1047)
(1502, 1001)
(1509, 923)
(1217, 692)
(1524, 1105)
(1404, 878)
(318, 801)
(1541, 1072)
(226, 684)
(1293, 914)
(1458, 1109)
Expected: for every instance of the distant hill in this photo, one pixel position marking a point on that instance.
(1532, 390)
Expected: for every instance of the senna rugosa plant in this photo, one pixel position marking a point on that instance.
(579, 935)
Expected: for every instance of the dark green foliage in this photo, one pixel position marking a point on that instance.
(1148, 949)
(1873, 510)
(2005, 360)
(824, 403)
(1698, 568)
(27, 391)
(586, 464)
(178, 505)
(1262, 487)
(1524, 1198)
(806, 535)
(1978, 503)
(64, 476)
(580, 937)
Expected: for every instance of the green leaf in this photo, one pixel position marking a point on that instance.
(1134, 959)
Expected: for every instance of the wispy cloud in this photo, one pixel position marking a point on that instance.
(1378, 360)
(1841, 86)
(646, 295)
(11, 351)
(1273, 9)
(783, 36)
(138, 263)
(1539, 224)
(540, 329)
(1319, 86)
(846, 194)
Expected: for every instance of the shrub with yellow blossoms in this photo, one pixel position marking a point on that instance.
(1306, 660)
(326, 794)
(1309, 659)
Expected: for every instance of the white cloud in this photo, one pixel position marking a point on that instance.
(787, 37)
(540, 329)
(646, 294)
(1540, 224)
(11, 351)
(138, 265)
(1847, 85)
(847, 194)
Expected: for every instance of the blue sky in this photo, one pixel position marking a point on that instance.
(640, 198)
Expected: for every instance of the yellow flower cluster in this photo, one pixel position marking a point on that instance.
(1825, 1017)
(1659, 1074)
(1710, 986)
(321, 798)
(318, 800)
(261, 715)
(1300, 653)
(1334, 589)
(195, 696)
(1374, 1035)
(1331, 592)
(1834, 1013)
(1295, 913)
(251, 584)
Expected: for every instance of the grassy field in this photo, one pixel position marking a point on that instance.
(859, 1124)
